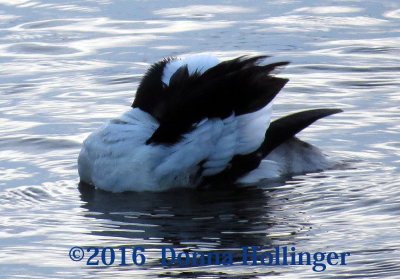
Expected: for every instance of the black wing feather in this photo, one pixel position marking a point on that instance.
(149, 95)
(237, 86)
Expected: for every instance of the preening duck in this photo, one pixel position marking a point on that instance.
(201, 122)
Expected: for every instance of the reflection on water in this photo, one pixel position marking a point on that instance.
(181, 217)
(68, 67)
(193, 220)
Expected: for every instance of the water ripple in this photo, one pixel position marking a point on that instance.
(36, 48)
(68, 67)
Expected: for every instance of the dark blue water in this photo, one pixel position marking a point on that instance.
(67, 67)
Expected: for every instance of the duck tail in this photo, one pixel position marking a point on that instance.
(288, 126)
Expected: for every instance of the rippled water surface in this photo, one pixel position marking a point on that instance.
(68, 66)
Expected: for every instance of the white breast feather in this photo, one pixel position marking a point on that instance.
(115, 157)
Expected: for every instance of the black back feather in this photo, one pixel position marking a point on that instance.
(149, 95)
(237, 86)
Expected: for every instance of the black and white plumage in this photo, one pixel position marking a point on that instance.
(200, 122)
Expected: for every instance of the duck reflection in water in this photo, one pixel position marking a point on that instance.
(207, 219)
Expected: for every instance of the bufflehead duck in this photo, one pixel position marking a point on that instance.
(200, 122)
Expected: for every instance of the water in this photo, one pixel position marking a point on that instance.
(67, 67)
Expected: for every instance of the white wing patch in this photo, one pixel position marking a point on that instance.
(214, 142)
(196, 63)
(224, 149)
(251, 129)
(195, 147)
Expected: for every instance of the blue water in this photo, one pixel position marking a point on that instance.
(67, 67)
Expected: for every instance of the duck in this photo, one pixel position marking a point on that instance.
(200, 122)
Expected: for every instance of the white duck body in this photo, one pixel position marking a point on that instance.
(120, 157)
